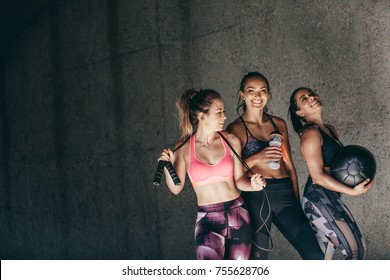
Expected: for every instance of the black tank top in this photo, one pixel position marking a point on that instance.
(330, 146)
(254, 145)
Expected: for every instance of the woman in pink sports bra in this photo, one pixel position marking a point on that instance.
(222, 229)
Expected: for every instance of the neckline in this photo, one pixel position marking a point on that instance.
(205, 163)
(333, 137)
(254, 137)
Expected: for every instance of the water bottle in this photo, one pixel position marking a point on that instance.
(275, 140)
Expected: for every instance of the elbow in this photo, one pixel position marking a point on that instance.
(318, 178)
(176, 189)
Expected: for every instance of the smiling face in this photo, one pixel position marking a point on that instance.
(255, 93)
(215, 118)
(308, 103)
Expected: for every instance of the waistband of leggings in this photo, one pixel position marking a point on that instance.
(310, 186)
(279, 185)
(222, 206)
(278, 181)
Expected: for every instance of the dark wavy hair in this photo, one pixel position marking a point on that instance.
(297, 121)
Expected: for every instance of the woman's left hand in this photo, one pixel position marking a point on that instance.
(258, 182)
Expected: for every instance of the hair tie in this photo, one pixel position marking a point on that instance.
(194, 93)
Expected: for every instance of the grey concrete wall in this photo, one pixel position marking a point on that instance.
(87, 105)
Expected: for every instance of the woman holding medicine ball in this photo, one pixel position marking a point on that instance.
(334, 224)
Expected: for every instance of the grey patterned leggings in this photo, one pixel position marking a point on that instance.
(333, 223)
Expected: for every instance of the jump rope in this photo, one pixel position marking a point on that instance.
(160, 171)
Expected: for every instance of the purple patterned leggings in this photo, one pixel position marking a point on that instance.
(223, 231)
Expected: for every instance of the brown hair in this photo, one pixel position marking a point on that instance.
(190, 104)
(297, 121)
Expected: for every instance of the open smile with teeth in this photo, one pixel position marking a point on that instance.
(315, 102)
(257, 102)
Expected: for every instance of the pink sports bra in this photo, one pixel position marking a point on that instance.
(201, 173)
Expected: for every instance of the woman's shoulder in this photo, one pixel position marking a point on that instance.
(182, 144)
(231, 137)
(235, 127)
(276, 118)
(310, 131)
(279, 122)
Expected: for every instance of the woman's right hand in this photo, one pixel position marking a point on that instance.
(258, 182)
(362, 188)
(268, 154)
(167, 155)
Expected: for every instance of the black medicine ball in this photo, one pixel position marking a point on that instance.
(352, 165)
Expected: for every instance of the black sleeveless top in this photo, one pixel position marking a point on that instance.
(330, 146)
(254, 145)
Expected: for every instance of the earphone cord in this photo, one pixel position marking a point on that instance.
(264, 222)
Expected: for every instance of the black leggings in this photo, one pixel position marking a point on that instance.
(286, 213)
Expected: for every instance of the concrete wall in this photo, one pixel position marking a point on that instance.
(87, 105)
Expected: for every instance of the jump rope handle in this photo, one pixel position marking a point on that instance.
(160, 171)
(169, 166)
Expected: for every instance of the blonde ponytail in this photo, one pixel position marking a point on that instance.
(190, 104)
(183, 106)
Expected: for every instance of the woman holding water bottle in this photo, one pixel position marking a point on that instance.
(266, 149)
(222, 229)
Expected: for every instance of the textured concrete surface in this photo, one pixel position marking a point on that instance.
(87, 105)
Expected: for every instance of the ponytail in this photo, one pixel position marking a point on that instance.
(190, 104)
